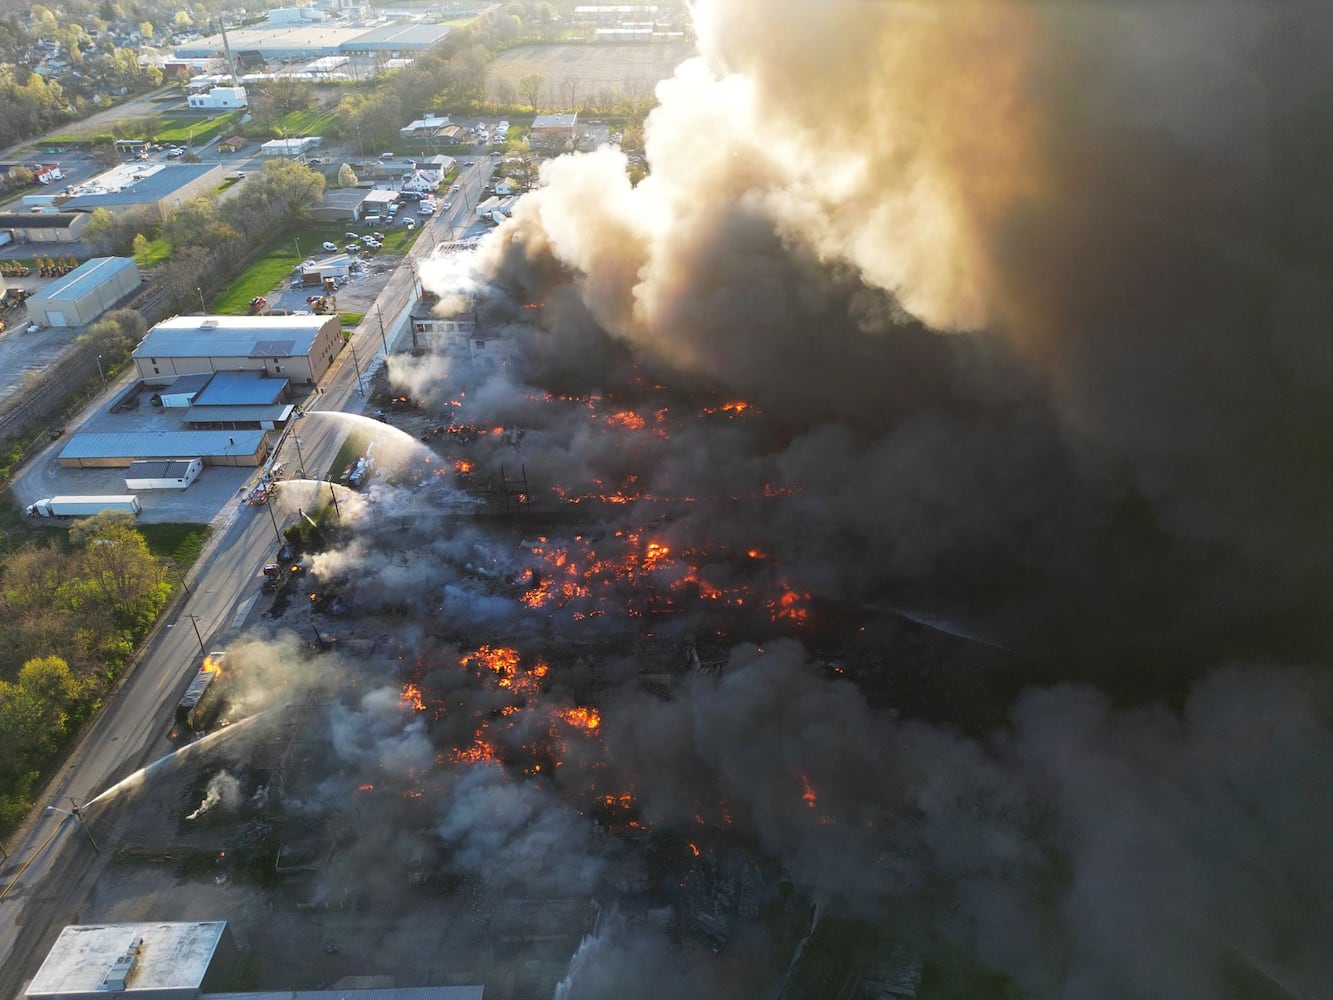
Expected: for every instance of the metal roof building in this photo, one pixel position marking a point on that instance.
(316, 39)
(243, 389)
(85, 293)
(45, 227)
(118, 449)
(162, 187)
(148, 961)
(299, 348)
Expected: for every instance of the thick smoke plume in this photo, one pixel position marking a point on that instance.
(1106, 194)
(1005, 314)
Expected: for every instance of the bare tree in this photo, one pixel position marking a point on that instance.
(531, 87)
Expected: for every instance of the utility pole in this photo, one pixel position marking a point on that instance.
(269, 505)
(383, 339)
(357, 365)
(299, 456)
(78, 814)
(334, 497)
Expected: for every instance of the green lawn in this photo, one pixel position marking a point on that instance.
(259, 278)
(158, 250)
(187, 128)
(180, 543)
(350, 320)
(313, 122)
(399, 240)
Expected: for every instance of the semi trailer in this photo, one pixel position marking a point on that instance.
(83, 506)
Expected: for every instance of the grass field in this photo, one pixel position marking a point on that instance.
(192, 128)
(180, 543)
(618, 70)
(314, 122)
(259, 278)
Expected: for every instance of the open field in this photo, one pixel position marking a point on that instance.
(177, 127)
(617, 70)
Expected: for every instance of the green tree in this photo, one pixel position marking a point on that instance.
(140, 248)
(101, 229)
(531, 87)
(182, 19)
(146, 29)
(118, 567)
(346, 176)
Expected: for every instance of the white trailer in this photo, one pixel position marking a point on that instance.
(83, 506)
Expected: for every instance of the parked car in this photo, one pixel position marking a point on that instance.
(409, 225)
(378, 236)
(173, 153)
(371, 242)
(330, 247)
(314, 161)
(386, 156)
(352, 236)
(352, 247)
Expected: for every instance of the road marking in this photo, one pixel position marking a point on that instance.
(243, 612)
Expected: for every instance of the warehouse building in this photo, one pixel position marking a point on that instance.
(299, 348)
(121, 449)
(85, 293)
(44, 227)
(163, 474)
(551, 133)
(340, 205)
(177, 961)
(162, 187)
(292, 148)
(317, 39)
(148, 961)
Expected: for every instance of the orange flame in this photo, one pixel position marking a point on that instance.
(413, 696)
(213, 663)
(587, 719)
(807, 792)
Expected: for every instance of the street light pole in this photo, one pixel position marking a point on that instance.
(297, 241)
(299, 456)
(173, 565)
(268, 505)
(77, 814)
(194, 620)
(383, 339)
(100, 373)
(202, 308)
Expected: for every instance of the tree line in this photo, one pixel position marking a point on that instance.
(70, 617)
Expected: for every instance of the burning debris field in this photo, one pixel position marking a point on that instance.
(889, 561)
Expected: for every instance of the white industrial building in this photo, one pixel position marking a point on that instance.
(147, 961)
(299, 348)
(291, 147)
(163, 474)
(85, 293)
(219, 99)
(177, 961)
